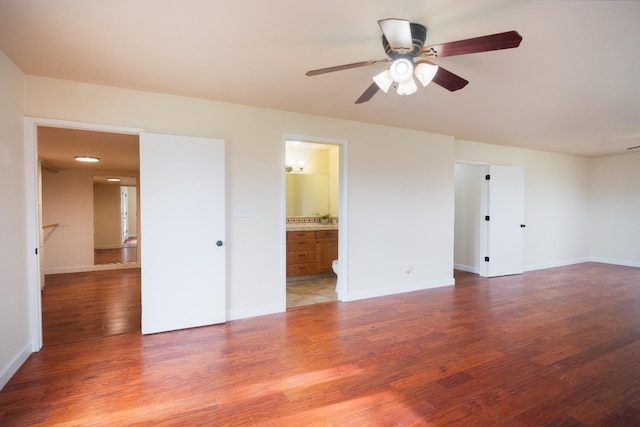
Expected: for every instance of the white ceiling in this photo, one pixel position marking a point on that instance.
(573, 85)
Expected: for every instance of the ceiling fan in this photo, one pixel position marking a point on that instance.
(403, 42)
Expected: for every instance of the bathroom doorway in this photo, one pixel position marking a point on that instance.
(313, 186)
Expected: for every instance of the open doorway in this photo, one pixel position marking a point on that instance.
(489, 219)
(90, 274)
(312, 181)
(115, 218)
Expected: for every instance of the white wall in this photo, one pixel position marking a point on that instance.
(400, 186)
(67, 199)
(468, 213)
(614, 209)
(15, 344)
(401, 195)
(401, 210)
(334, 180)
(556, 201)
(132, 219)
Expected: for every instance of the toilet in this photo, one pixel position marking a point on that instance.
(335, 265)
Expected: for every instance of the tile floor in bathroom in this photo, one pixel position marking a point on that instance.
(313, 291)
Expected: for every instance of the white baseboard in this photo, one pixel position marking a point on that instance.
(253, 312)
(625, 263)
(555, 264)
(86, 268)
(374, 293)
(13, 366)
(467, 268)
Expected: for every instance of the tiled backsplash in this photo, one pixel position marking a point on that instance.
(308, 219)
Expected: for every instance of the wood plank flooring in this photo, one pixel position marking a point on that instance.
(551, 347)
(126, 254)
(80, 306)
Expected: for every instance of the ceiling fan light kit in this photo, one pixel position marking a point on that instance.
(407, 87)
(403, 42)
(383, 80)
(425, 72)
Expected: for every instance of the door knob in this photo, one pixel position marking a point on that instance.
(219, 243)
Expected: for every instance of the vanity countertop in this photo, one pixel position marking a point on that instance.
(310, 226)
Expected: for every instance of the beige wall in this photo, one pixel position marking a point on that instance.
(614, 207)
(15, 314)
(106, 216)
(556, 201)
(67, 199)
(400, 186)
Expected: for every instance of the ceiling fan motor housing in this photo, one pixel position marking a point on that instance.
(418, 35)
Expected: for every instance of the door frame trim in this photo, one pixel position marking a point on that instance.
(31, 125)
(342, 286)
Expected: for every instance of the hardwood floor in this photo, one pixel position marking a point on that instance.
(126, 254)
(80, 306)
(551, 347)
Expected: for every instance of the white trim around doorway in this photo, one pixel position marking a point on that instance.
(33, 223)
(342, 286)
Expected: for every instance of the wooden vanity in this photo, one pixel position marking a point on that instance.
(311, 252)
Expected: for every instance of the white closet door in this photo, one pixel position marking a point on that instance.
(506, 213)
(182, 226)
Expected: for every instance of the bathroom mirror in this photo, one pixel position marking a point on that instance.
(307, 194)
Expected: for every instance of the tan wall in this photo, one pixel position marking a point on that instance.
(106, 216)
(67, 199)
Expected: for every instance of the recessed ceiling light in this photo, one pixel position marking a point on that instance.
(113, 179)
(87, 159)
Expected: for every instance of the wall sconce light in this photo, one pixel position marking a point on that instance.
(300, 164)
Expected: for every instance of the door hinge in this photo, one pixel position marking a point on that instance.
(487, 177)
(487, 218)
(486, 259)
(36, 251)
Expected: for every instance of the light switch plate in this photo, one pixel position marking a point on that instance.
(243, 212)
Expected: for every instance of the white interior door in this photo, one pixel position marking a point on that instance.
(506, 221)
(124, 215)
(182, 221)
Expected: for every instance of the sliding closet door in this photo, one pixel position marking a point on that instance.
(182, 225)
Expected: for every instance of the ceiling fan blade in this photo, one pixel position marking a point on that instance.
(447, 79)
(368, 94)
(345, 67)
(507, 40)
(398, 34)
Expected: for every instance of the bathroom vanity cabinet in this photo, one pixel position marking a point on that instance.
(311, 252)
(326, 250)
